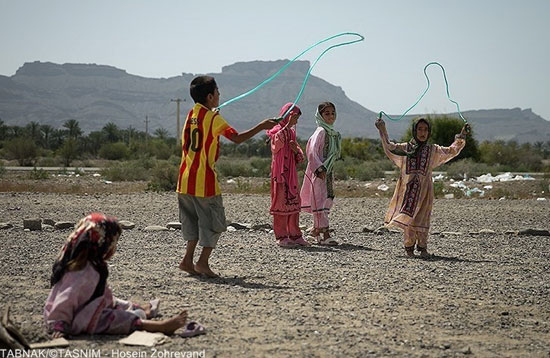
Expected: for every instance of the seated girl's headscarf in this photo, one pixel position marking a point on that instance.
(334, 137)
(95, 234)
(414, 145)
(283, 166)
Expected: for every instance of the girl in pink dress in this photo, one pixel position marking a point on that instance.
(322, 150)
(81, 301)
(411, 205)
(285, 199)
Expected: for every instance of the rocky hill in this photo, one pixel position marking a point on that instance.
(94, 95)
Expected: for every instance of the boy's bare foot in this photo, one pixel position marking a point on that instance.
(205, 270)
(188, 267)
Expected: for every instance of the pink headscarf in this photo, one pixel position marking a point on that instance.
(283, 165)
(271, 132)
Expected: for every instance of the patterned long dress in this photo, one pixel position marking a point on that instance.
(411, 205)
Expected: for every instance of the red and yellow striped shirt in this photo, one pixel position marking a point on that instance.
(200, 150)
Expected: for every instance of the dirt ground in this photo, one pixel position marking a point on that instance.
(482, 295)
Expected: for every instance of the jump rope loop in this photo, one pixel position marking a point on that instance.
(306, 78)
(426, 90)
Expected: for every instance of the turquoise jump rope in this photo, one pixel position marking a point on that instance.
(426, 90)
(306, 78)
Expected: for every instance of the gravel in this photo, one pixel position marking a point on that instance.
(485, 293)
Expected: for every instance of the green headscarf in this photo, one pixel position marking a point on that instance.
(334, 141)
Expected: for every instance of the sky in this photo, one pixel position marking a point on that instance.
(496, 53)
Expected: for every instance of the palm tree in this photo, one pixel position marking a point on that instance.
(57, 137)
(129, 134)
(15, 131)
(47, 131)
(3, 130)
(112, 132)
(93, 142)
(73, 127)
(33, 131)
(161, 133)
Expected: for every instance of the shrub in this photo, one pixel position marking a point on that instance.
(164, 176)
(468, 167)
(126, 171)
(114, 151)
(22, 149)
(38, 174)
(241, 167)
(48, 162)
(68, 151)
(159, 149)
(351, 168)
(438, 189)
(261, 166)
(511, 156)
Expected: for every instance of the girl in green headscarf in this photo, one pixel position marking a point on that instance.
(323, 149)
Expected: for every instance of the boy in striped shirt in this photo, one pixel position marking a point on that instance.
(201, 210)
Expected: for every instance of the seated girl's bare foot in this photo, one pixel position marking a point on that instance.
(205, 270)
(188, 267)
(169, 326)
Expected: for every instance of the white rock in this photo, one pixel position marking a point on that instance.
(156, 228)
(174, 225)
(126, 225)
(61, 225)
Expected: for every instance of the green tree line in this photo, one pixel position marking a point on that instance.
(37, 144)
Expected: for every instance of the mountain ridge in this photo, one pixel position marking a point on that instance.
(94, 95)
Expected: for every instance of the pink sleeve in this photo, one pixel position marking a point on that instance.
(389, 146)
(443, 154)
(279, 140)
(69, 295)
(314, 149)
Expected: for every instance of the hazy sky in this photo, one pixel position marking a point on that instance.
(496, 53)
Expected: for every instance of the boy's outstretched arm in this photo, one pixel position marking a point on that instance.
(243, 136)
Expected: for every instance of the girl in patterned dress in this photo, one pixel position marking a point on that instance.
(322, 150)
(411, 205)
